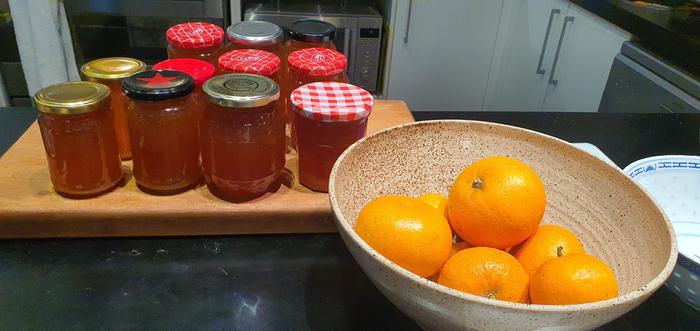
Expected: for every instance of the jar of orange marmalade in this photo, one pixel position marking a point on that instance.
(242, 136)
(198, 40)
(162, 120)
(310, 34)
(328, 118)
(110, 71)
(199, 70)
(77, 127)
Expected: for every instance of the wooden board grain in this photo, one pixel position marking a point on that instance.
(30, 208)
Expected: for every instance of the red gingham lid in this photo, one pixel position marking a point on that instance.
(332, 102)
(318, 61)
(249, 61)
(200, 70)
(195, 35)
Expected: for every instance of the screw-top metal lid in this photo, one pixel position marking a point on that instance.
(250, 61)
(158, 85)
(312, 31)
(70, 98)
(254, 33)
(112, 68)
(241, 90)
(194, 35)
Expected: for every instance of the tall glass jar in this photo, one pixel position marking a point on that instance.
(163, 126)
(310, 34)
(242, 136)
(77, 128)
(199, 70)
(328, 118)
(110, 71)
(199, 40)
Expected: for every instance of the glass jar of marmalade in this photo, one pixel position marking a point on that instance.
(242, 136)
(77, 127)
(162, 120)
(328, 118)
(199, 70)
(310, 34)
(110, 71)
(198, 40)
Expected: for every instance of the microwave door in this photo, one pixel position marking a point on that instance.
(344, 44)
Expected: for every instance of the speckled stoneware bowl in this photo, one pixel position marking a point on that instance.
(614, 218)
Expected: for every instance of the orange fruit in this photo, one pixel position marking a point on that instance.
(437, 201)
(573, 279)
(407, 231)
(496, 202)
(486, 272)
(549, 241)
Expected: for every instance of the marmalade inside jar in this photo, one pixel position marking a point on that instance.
(319, 144)
(82, 151)
(243, 150)
(164, 144)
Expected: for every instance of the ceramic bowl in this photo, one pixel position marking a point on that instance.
(674, 182)
(615, 219)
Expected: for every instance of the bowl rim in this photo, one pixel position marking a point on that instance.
(628, 297)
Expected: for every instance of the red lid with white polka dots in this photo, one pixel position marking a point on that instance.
(195, 35)
(332, 102)
(250, 61)
(317, 61)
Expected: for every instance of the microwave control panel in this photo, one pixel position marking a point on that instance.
(367, 49)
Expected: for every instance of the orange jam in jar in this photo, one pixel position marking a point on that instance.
(310, 34)
(162, 120)
(328, 118)
(77, 128)
(199, 70)
(242, 136)
(199, 40)
(110, 71)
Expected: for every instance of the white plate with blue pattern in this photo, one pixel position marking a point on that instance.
(674, 182)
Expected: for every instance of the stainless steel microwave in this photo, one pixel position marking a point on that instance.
(358, 34)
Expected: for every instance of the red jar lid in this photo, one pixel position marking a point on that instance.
(332, 102)
(195, 35)
(318, 61)
(200, 70)
(250, 61)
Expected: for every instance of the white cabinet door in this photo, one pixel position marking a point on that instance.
(441, 54)
(579, 73)
(527, 37)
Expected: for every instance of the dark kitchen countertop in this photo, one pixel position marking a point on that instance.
(675, 39)
(287, 282)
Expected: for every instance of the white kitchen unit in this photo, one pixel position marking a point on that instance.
(527, 39)
(441, 52)
(551, 55)
(579, 73)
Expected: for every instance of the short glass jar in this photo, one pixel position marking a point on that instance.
(110, 71)
(242, 136)
(328, 118)
(199, 40)
(162, 120)
(77, 128)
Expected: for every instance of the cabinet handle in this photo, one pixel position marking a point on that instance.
(408, 22)
(554, 11)
(552, 81)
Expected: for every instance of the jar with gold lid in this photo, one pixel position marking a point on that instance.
(77, 128)
(111, 71)
(242, 136)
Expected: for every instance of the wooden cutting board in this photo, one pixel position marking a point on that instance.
(30, 208)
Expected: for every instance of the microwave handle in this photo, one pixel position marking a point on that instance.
(346, 42)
